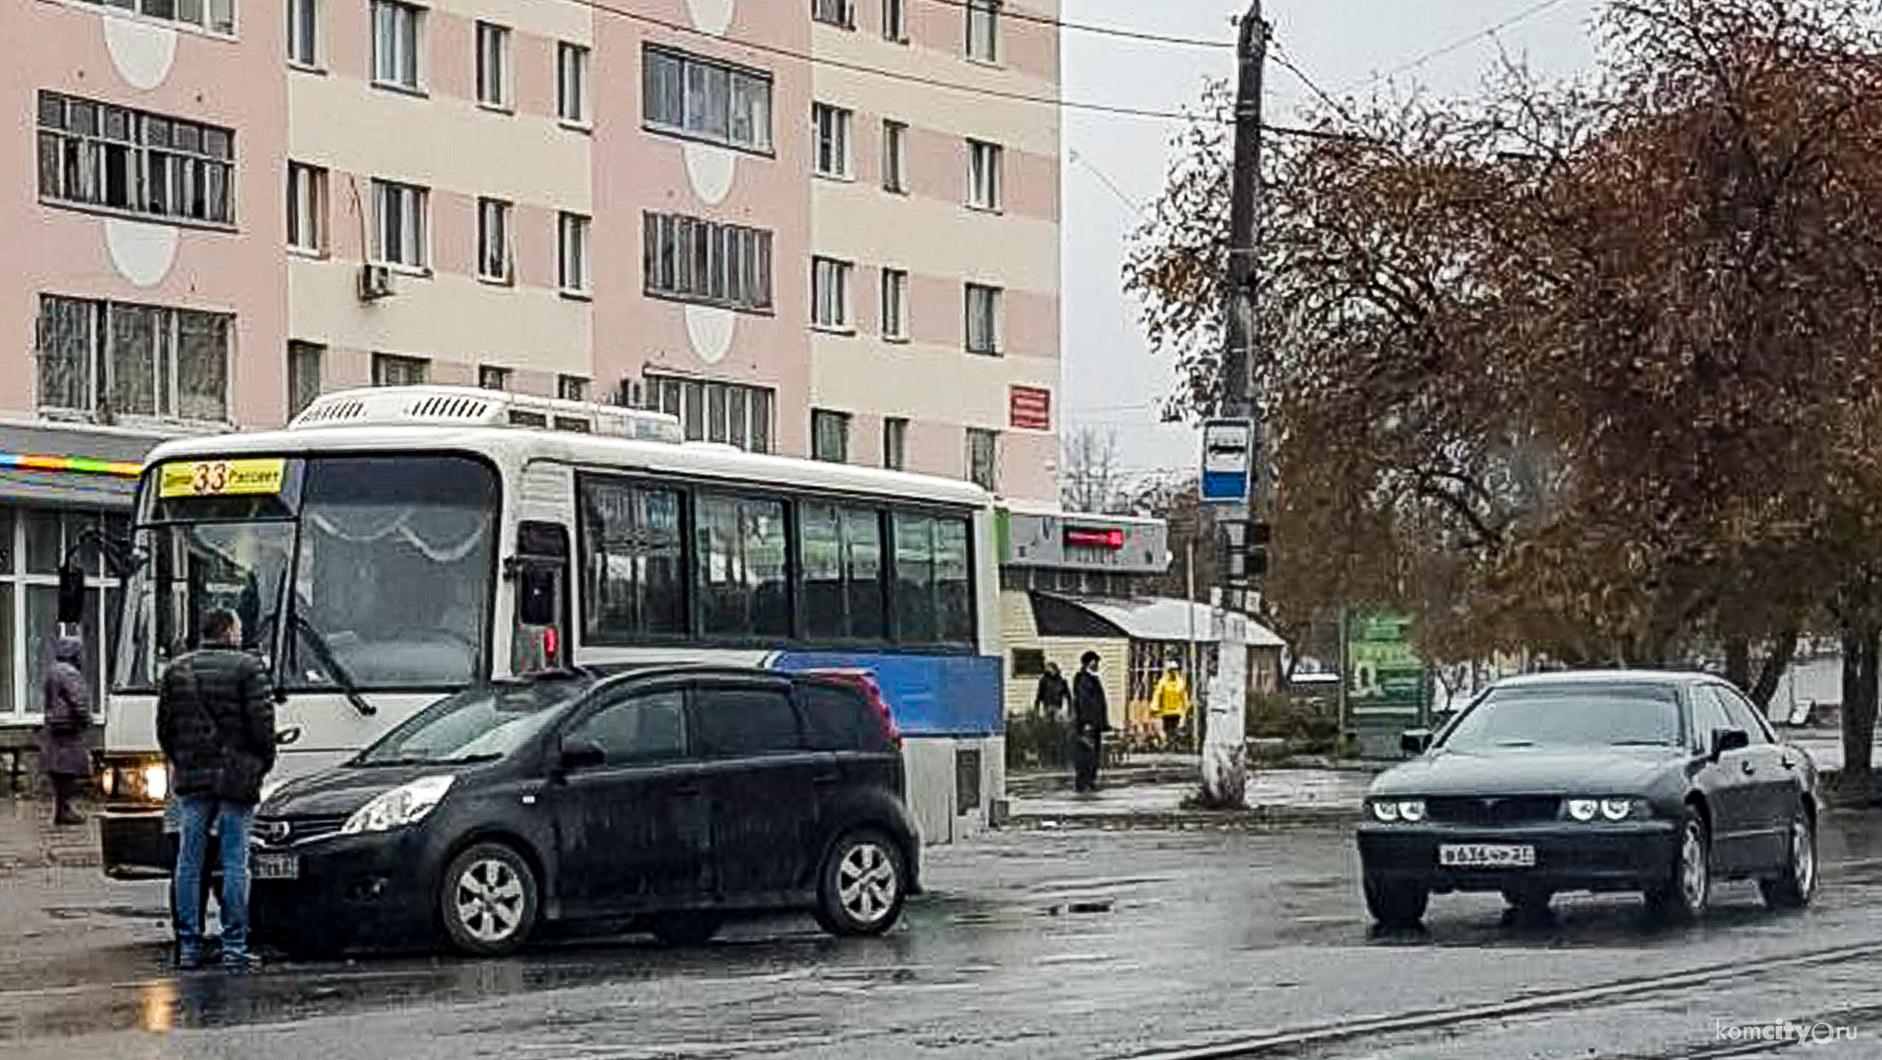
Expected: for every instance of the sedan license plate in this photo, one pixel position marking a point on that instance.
(276, 867)
(1486, 856)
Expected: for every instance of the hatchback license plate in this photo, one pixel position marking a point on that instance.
(1486, 856)
(277, 867)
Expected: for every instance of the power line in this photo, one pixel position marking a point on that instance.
(1103, 31)
(1280, 57)
(1075, 156)
(1438, 53)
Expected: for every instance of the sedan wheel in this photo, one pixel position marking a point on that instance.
(1794, 888)
(1686, 894)
(488, 900)
(862, 885)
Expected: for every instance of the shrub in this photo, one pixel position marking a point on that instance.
(1038, 741)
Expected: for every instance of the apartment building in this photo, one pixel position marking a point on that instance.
(825, 228)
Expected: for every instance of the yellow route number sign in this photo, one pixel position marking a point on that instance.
(222, 478)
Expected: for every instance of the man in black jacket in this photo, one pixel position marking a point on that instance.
(1091, 718)
(216, 725)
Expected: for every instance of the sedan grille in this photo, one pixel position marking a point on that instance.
(1503, 809)
(286, 831)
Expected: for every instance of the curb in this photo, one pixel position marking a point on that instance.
(1252, 817)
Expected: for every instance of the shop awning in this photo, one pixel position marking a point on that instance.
(1155, 618)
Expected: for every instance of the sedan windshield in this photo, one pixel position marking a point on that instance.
(480, 723)
(1581, 715)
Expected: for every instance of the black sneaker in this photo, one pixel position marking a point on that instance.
(189, 962)
(240, 963)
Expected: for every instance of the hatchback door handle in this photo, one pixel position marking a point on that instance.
(827, 779)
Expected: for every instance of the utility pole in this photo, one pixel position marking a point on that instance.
(1225, 751)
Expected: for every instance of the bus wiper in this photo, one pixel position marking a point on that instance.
(323, 654)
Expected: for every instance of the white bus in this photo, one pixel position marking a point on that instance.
(395, 545)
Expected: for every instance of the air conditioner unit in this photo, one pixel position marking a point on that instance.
(375, 282)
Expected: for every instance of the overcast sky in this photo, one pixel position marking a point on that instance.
(1114, 166)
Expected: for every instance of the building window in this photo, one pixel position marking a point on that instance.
(984, 162)
(830, 294)
(696, 260)
(307, 208)
(573, 243)
(894, 304)
(493, 65)
(711, 411)
(137, 360)
(895, 157)
(304, 363)
(491, 377)
(895, 444)
(304, 33)
(33, 543)
(391, 370)
(983, 30)
(216, 16)
(983, 458)
(895, 21)
(571, 83)
(399, 224)
(493, 241)
(396, 40)
(571, 387)
(983, 319)
(706, 100)
(95, 154)
(834, 12)
(830, 436)
(832, 125)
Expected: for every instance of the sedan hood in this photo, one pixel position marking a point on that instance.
(340, 791)
(1521, 771)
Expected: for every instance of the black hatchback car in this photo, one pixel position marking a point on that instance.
(672, 798)
(1602, 780)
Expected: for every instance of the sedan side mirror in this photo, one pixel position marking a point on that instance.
(1415, 741)
(1724, 740)
(581, 754)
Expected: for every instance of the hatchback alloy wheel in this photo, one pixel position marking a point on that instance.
(862, 889)
(489, 900)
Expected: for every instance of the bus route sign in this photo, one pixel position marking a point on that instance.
(1227, 446)
(222, 478)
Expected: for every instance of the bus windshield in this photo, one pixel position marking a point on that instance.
(378, 567)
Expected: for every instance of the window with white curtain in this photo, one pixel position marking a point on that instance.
(830, 294)
(397, 37)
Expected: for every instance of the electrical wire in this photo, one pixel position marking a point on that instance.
(1103, 31)
(1438, 53)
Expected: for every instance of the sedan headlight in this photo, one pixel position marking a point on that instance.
(403, 805)
(1610, 808)
(1389, 811)
(1583, 809)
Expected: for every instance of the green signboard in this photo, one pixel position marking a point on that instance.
(1385, 673)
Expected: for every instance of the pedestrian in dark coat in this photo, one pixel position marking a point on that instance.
(1091, 719)
(1052, 693)
(215, 722)
(63, 753)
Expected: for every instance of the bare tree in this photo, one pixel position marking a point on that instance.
(1092, 479)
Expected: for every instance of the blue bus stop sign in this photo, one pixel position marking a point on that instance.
(1227, 446)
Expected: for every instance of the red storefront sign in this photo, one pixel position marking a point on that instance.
(1029, 408)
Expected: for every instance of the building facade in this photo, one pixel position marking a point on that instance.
(826, 228)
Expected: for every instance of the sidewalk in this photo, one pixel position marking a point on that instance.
(1274, 796)
(28, 840)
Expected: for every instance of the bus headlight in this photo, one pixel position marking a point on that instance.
(157, 782)
(135, 778)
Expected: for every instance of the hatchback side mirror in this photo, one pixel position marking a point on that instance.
(581, 754)
(1415, 741)
(1724, 740)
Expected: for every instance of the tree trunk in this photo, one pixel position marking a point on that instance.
(1783, 652)
(1738, 662)
(1860, 650)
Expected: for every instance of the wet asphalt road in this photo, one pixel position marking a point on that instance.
(1035, 944)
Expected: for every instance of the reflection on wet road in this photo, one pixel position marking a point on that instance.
(1030, 944)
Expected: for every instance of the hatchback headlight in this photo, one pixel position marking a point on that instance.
(403, 805)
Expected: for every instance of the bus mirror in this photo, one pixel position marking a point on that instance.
(71, 595)
(536, 607)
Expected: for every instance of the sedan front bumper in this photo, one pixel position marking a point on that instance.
(1570, 856)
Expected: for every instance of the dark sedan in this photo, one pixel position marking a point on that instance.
(672, 798)
(1596, 781)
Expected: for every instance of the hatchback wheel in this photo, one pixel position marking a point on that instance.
(1793, 888)
(1396, 905)
(862, 885)
(1685, 894)
(488, 900)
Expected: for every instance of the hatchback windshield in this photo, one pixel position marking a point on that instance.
(1569, 716)
(481, 723)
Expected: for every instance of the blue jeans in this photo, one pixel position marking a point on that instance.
(232, 821)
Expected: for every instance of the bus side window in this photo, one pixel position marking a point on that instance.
(542, 573)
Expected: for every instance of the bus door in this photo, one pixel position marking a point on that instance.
(540, 570)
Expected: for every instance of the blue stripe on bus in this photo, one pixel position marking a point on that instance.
(929, 695)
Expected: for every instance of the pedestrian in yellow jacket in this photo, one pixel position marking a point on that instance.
(1170, 701)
